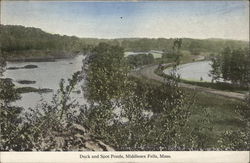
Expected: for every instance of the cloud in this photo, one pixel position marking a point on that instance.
(144, 19)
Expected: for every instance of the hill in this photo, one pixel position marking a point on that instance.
(29, 42)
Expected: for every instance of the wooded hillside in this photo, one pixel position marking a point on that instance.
(16, 40)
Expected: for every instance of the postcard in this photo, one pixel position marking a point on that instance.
(124, 81)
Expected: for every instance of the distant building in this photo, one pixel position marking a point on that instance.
(155, 53)
(200, 58)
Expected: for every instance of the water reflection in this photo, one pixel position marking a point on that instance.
(197, 71)
(47, 75)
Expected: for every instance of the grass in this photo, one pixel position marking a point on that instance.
(219, 112)
(214, 114)
(220, 109)
(218, 86)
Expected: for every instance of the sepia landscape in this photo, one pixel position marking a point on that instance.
(124, 76)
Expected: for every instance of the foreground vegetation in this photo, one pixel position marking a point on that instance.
(124, 112)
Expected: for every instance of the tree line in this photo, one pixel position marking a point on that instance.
(19, 38)
(232, 65)
(140, 60)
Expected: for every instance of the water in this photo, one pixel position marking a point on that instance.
(194, 71)
(47, 75)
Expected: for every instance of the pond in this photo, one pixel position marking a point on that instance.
(45, 75)
(195, 71)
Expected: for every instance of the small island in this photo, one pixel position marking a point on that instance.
(26, 82)
(24, 67)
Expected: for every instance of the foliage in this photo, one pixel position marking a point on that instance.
(135, 121)
(17, 39)
(2, 63)
(106, 73)
(147, 116)
(128, 113)
(142, 111)
(240, 139)
(232, 65)
(9, 132)
(50, 121)
(19, 42)
(215, 72)
(7, 92)
(10, 118)
(215, 85)
(39, 128)
(195, 47)
(140, 60)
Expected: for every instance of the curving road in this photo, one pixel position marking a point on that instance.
(149, 72)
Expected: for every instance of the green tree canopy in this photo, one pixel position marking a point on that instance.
(106, 73)
(232, 65)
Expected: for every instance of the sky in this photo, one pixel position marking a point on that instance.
(159, 19)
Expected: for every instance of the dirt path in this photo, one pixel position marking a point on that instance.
(148, 72)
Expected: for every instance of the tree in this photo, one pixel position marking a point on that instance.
(10, 115)
(177, 44)
(132, 119)
(106, 73)
(232, 65)
(48, 126)
(215, 72)
(140, 60)
(195, 47)
(176, 50)
(2, 63)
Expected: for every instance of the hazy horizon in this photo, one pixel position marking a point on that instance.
(131, 37)
(114, 20)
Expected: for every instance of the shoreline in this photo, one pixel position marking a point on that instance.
(39, 56)
(38, 59)
(149, 73)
